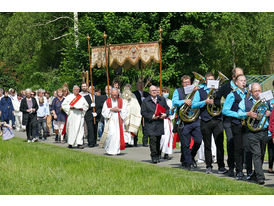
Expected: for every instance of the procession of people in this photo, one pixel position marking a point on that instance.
(113, 121)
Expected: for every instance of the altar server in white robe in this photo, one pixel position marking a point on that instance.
(75, 106)
(115, 112)
(133, 120)
(167, 139)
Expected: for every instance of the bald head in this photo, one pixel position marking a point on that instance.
(237, 71)
(256, 90)
(153, 91)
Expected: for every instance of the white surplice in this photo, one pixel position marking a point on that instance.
(167, 138)
(133, 120)
(112, 143)
(75, 120)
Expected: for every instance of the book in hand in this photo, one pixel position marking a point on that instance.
(159, 110)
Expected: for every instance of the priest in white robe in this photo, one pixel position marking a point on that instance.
(115, 112)
(133, 120)
(75, 106)
(167, 139)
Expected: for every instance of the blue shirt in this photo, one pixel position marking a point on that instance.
(233, 86)
(229, 102)
(242, 112)
(196, 103)
(42, 110)
(176, 102)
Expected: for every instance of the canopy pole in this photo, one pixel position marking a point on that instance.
(105, 41)
(87, 80)
(160, 41)
(91, 81)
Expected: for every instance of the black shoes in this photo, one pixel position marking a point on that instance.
(222, 170)
(145, 145)
(166, 157)
(260, 182)
(154, 160)
(69, 146)
(194, 163)
(230, 173)
(251, 176)
(240, 176)
(80, 146)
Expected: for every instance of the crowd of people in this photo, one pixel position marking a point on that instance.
(114, 120)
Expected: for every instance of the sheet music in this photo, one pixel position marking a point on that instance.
(268, 95)
(188, 89)
(212, 84)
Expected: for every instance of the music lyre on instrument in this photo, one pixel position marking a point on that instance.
(186, 113)
(211, 108)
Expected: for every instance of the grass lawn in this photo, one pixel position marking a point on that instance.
(38, 168)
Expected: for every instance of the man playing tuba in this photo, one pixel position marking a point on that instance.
(248, 108)
(187, 129)
(210, 125)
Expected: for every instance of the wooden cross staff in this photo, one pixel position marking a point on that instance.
(160, 41)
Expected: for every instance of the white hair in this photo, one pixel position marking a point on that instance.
(253, 84)
(114, 89)
(28, 90)
(76, 86)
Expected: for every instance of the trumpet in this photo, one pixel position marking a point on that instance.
(211, 108)
(260, 107)
(186, 113)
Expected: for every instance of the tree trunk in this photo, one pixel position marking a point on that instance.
(76, 29)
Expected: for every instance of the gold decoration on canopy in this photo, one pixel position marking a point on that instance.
(126, 55)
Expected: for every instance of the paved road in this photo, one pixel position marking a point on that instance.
(142, 154)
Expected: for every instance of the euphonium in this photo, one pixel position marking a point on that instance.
(260, 107)
(211, 108)
(186, 113)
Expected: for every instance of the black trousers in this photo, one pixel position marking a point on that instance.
(91, 132)
(270, 148)
(208, 128)
(31, 127)
(229, 142)
(237, 131)
(247, 158)
(154, 144)
(185, 133)
(258, 142)
(145, 136)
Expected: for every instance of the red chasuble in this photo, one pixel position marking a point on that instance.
(120, 105)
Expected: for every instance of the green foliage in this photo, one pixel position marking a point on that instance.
(192, 41)
(28, 169)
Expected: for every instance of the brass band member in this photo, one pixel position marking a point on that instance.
(187, 130)
(223, 92)
(257, 140)
(210, 125)
(230, 109)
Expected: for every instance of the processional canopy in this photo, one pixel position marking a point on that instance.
(126, 55)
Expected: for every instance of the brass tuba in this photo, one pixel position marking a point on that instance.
(260, 107)
(186, 113)
(212, 109)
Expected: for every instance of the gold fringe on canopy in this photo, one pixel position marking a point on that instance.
(126, 55)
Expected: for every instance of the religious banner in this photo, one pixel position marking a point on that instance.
(98, 57)
(126, 55)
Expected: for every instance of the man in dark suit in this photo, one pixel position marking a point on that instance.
(100, 104)
(141, 95)
(97, 103)
(29, 108)
(154, 125)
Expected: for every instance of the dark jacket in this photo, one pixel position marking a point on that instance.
(153, 127)
(138, 96)
(24, 108)
(222, 92)
(99, 102)
(6, 109)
